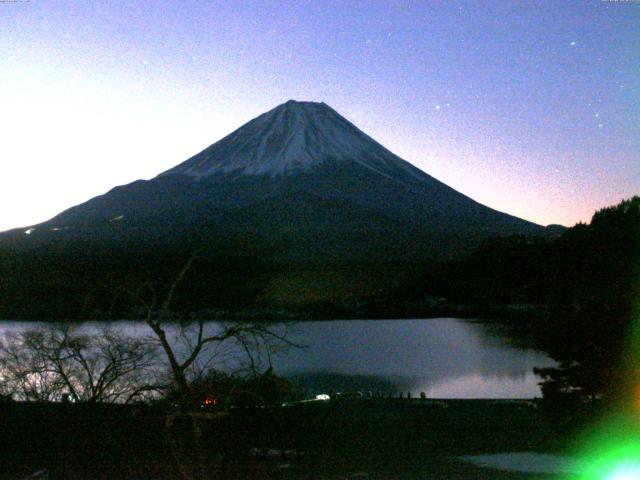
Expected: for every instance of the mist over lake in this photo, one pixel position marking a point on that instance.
(445, 358)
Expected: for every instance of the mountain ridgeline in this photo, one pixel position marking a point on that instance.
(296, 206)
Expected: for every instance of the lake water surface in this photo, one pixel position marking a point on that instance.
(445, 358)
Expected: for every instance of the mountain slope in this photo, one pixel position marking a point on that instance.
(297, 148)
(299, 189)
(293, 137)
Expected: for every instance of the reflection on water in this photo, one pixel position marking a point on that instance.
(445, 358)
(479, 386)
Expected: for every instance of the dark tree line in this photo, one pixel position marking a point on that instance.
(585, 286)
(80, 280)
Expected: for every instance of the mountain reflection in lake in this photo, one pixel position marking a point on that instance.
(445, 358)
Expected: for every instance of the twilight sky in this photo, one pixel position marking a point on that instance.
(530, 107)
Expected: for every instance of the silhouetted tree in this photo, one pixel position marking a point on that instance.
(588, 282)
(192, 346)
(61, 361)
(594, 342)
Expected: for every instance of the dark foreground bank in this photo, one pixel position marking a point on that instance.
(351, 438)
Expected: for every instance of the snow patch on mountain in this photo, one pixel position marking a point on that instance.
(292, 137)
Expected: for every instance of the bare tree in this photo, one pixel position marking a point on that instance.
(54, 361)
(192, 347)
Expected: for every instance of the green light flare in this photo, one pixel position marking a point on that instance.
(618, 463)
(612, 447)
(625, 473)
(612, 450)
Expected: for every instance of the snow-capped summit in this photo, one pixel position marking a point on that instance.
(293, 136)
(307, 208)
(304, 184)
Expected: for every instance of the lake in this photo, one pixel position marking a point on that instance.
(444, 358)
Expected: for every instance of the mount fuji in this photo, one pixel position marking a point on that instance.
(298, 206)
(301, 181)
